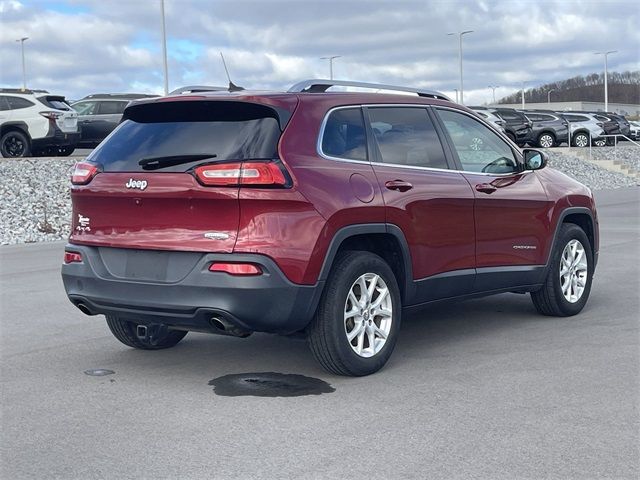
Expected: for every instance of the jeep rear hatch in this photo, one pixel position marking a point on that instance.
(169, 176)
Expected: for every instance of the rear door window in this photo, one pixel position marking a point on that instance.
(16, 103)
(111, 108)
(4, 103)
(208, 131)
(406, 136)
(343, 135)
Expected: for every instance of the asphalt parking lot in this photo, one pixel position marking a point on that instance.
(483, 389)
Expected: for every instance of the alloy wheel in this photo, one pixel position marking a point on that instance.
(573, 271)
(14, 146)
(581, 140)
(368, 314)
(546, 141)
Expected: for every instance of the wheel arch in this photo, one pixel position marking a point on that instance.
(583, 218)
(15, 126)
(383, 239)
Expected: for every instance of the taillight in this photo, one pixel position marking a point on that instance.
(51, 115)
(244, 269)
(72, 257)
(83, 173)
(257, 174)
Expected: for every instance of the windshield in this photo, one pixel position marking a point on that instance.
(187, 139)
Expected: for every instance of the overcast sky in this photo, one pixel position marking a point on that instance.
(78, 47)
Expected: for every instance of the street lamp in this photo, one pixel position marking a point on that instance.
(549, 94)
(330, 64)
(523, 95)
(164, 50)
(24, 71)
(456, 90)
(493, 88)
(606, 86)
(460, 34)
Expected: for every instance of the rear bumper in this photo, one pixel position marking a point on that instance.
(56, 138)
(265, 303)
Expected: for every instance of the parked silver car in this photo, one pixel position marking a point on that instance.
(584, 127)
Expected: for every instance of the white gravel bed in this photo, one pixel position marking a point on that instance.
(36, 205)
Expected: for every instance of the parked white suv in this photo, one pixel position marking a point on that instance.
(584, 126)
(36, 122)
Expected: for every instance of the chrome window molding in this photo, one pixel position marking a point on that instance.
(409, 167)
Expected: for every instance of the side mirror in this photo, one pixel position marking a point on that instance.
(534, 159)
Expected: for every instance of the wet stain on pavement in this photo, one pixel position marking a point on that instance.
(269, 384)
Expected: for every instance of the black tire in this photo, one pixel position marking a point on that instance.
(580, 140)
(327, 335)
(15, 144)
(161, 337)
(549, 300)
(546, 140)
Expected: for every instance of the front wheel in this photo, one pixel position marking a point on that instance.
(600, 143)
(568, 283)
(358, 319)
(141, 336)
(546, 140)
(65, 151)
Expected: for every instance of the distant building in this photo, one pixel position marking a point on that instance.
(626, 109)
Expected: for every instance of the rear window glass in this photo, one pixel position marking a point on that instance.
(507, 115)
(58, 103)
(343, 135)
(220, 130)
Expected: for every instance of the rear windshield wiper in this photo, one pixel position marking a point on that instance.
(154, 163)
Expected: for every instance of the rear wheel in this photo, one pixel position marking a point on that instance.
(358, 319)
(568, 283)
(600, 143)
(144, 337)
(14, 144)
(581, 140)
(546, 140)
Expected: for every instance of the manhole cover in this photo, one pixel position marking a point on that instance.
(99, 372)
(269, 384)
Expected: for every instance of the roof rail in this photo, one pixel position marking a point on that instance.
(21, 90)
(119, 95)
(198, 88)
(320, 86)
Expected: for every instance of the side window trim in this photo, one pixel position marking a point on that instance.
(323, 127)
(517, 155)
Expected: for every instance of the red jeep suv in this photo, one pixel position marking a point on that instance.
(320, 212)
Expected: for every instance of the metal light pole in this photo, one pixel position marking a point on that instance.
(330, 64)
(456, 90)
(523, 95)
(493, 88)
(606, 86)
(460, 34)
(164, 50)
(24, 70)
(549, 95)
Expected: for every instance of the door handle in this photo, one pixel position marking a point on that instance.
(399, 185)
(485, 188)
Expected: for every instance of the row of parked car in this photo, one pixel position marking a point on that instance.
(547, 128)
(34, 122)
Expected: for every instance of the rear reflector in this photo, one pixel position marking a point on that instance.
(241, 173)
(236, 268)
(72, 257)
(83, 173)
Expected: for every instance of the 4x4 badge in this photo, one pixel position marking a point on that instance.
(141, 184)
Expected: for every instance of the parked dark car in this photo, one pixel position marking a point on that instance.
(318, 213)
(518, 126)
(99, 114)
(548, 129)
(620, 125)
